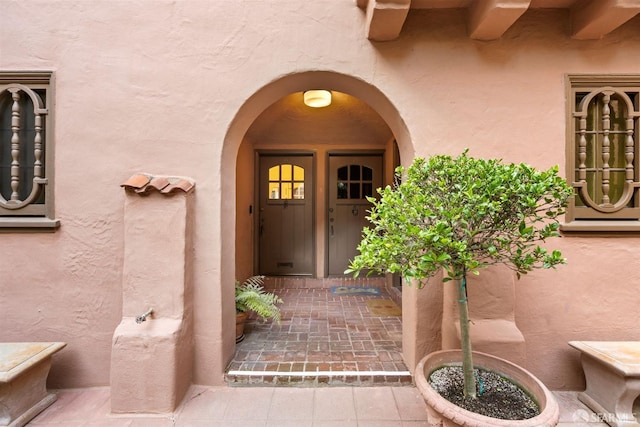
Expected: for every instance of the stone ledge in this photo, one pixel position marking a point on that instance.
(612, 374)
(24, 367)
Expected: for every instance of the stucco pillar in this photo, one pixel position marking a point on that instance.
(152, 357)
(421, 320)
(493, 328)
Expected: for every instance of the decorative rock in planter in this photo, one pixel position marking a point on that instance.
(443, 413)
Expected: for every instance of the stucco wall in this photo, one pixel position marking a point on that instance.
(159, 86)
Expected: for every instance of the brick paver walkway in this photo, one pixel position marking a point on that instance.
(324, 339)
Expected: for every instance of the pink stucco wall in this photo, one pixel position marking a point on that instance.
(171, 88)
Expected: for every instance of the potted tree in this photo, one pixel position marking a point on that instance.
(461, 215)
(252, 297)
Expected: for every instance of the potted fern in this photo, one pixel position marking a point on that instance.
(461, 215)
(252, 297)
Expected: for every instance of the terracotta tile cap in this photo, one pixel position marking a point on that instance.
(144, 183)
(158, 182)
(178, 185)
(136, 181)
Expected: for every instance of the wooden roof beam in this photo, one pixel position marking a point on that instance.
(490, 19)
(597, 18)
(385, 18)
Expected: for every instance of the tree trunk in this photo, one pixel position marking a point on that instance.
(465, 340)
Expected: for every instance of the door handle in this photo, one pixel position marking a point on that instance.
(354, 211)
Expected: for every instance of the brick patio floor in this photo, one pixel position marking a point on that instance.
(324, 339)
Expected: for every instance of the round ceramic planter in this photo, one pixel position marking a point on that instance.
(443, 413)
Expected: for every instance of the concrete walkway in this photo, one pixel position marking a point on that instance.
(273, 407)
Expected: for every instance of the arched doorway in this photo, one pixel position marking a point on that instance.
(303, 177)
(238, 155)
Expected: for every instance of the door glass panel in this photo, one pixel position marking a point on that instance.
(286, 181)
(367, 174)
(342, 190)
(274, 190)
(274, 173)
(355, 173)
(354, 190)
(343, 174)
(286, 172)
(285, 187)
(367, 190)
(354, 182)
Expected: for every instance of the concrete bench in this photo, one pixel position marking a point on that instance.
(24, 368)
(612, 373)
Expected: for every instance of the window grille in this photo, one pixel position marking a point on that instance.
(603, 153)
(26, 198)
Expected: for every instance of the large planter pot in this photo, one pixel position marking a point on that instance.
(443, 413)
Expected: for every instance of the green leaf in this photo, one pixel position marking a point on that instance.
(462, 214)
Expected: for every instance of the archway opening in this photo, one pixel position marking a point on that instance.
(274, 120)
(342, 153)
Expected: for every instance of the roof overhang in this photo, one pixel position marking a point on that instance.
(490, 19)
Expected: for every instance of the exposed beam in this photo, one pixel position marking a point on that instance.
(490, 19)
(385, 18)
(595, 18)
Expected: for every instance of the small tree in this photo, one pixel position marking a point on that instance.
(463, 214)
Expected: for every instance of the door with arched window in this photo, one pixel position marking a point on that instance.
(285, 215)
(352, 178)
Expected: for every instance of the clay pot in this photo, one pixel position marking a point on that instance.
(241, 318)
(443, 413)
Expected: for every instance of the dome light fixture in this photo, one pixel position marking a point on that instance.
(317, 98)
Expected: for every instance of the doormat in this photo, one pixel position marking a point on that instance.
(355, 290)
(383, 307)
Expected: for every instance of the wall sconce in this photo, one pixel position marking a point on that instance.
(317, 98)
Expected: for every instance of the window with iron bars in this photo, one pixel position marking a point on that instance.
(26, 151)
(603, 153)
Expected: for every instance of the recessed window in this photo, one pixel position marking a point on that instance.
(603, 153)
(26, 151)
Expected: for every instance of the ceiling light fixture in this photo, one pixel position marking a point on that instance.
(317, 98)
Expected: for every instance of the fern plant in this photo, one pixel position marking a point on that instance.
(251, 296)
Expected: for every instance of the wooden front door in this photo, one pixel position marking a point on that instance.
(351, 179)
(285, 220)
